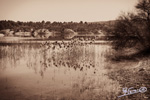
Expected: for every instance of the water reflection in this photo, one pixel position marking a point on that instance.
(55, 70)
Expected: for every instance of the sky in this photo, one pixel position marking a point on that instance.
(64, 10)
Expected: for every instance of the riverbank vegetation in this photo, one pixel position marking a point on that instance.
(130, 61)
(132, 31)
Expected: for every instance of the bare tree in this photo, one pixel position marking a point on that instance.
(134, 26)
(143, 7)
(144, 10)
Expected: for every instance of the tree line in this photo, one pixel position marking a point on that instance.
(80, 27)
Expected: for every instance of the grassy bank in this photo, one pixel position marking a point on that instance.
(132, 74)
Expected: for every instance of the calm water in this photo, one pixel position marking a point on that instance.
(58, 71)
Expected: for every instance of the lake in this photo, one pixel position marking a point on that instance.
(58, 70)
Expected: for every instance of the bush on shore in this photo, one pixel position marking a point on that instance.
(133, 29)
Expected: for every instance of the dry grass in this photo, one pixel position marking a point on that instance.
(134, 74)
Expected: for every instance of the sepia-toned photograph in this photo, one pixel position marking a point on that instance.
(74, 49)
